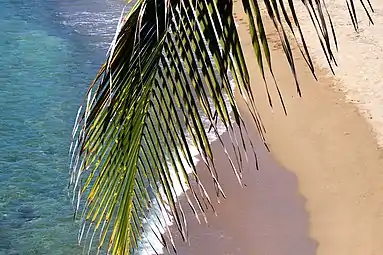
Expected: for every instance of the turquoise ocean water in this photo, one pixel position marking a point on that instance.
(49, 52)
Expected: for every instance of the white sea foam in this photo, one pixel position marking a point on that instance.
(101, 23)
(150, 240)
(96, 21)
(359, 67)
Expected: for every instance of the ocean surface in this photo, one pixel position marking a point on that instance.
(50, 51)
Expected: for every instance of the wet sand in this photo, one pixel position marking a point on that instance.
(328, 201)
(332, 150)
(266, 216)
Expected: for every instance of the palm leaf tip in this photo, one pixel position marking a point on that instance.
(165, 87)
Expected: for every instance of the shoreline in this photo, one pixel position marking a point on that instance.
(327, 153)
(332, 150)
(253, 218)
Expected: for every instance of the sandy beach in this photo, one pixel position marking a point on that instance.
(266, 216)
(359, 58)
(320, 189)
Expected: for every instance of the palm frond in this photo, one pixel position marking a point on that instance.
(166, 85)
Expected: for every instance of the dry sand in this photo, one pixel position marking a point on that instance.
(333, 152)
(360, 57)
(328, 146)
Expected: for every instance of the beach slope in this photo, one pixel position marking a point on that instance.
(319, 191)
(331, 149)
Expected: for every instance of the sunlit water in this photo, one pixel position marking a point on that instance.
(49, 52)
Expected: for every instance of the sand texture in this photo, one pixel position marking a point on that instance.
(360, 57)
(330, 199)
(330, 147)
(266, 216)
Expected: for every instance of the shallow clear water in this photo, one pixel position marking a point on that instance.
(49, 53)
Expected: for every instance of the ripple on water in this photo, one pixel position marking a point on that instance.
(43, 78)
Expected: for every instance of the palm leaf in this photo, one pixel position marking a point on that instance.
(166, 85)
